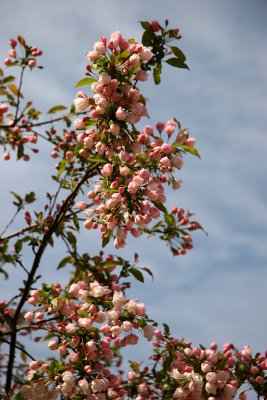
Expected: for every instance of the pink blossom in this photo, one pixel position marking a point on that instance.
(148, 331)
(81, 205)
(29, 316)
(115, 39)
(104, 78)
(170, 127)
(79, 124)
(85, 323)
(99, 47)
(114, 129)
(92, 56)
(146, 54)
(134, 60)
(98, 385)
(121, 113)
(71, 328)
(107, 170)
(68, 377)
(141, 75)
(84, 386)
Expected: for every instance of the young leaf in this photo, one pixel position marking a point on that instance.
(145, 25)
(18, 197)
(85, 81)
(191, 150)
(175, 62)
(64, 262)
(137, 274)
(55, 109)
(30, 197)
(22, 41)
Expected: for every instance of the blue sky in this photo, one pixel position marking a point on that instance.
(218, 291)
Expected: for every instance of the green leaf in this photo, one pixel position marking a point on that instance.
(134, 366)
(156, 73)
(125, 54)
(145, 25)
(75, 221)
(169, 218)
(100, 159)
(18, 246)
(160, 375)
(20, 151)
(65, 261)
(146, 269)
(178, 53)
(106, 239)
(166, 329)
(30, 197)
(175, 62)
(147, 38)
(85, 81)
(191, 150)
(71, 239)
(1, 72)
(160, 206)
(55, 109)
(54, 301)
(13, 88)
(9, 79)
(137, 274)
(23, 356)
(167, 362)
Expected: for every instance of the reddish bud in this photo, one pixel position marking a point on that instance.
(6, 156)
(13, 43)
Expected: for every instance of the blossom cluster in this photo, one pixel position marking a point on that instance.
(136, 164)
(93, 321)
(16, 121)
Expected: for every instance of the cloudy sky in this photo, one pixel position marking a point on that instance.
(218, 291)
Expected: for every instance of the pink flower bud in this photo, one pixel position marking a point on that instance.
(6, 156)
(81, 205)
(31, 63)
(155, 26)
(29, 316)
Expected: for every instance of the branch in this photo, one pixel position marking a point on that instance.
(29, 327)
(17, 233)
(46, 238)
(33, 125)
(19, 348)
